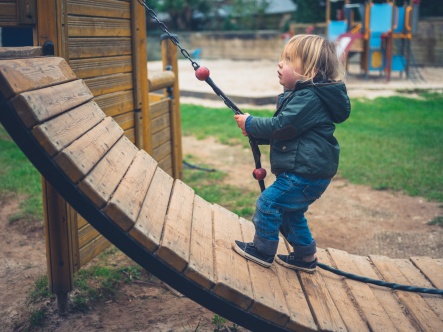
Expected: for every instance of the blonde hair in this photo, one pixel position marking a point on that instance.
(318, 57)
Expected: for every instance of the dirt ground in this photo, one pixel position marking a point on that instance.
(353, 218)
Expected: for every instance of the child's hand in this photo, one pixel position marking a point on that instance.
(241, 121)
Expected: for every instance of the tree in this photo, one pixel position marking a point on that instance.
(309, 11)
(182, 12)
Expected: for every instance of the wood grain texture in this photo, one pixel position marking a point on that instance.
(269, 300)
(374, 313)
(416, 306)
(432, 271)
(175, 244)
(102, 181)
(125, 204)
(233, 282)
(21, 75)
(149, 226)
(201, 257)
(77, 159)
(54, 135)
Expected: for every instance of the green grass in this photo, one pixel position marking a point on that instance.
(388, 143)
(19, 177)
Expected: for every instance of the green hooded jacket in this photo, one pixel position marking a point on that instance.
(301, 132)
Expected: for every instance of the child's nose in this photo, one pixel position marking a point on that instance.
(280, 64)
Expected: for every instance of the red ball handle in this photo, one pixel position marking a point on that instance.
(202, 73)
(259, 173)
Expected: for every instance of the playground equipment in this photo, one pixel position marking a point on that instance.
(382, 37)
(165, 227)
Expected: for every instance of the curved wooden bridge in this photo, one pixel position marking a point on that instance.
(165, 227)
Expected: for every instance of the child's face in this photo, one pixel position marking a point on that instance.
(289, 72)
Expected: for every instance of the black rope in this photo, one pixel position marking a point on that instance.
(381, 282)
(256, 153)
(192, 166)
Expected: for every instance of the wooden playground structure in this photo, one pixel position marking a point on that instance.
(382, 37)
(105, 136)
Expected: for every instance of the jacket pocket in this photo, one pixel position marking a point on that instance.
(283, 154)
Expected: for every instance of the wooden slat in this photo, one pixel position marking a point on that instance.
(111, 83)
(322, 306)
(126, 120)
(92, 249)
(87, 68)
(385, 296)
(116, 103)
(77, 159)
(166, 165)
(432, 271)
(17, 76)
(269, 300)
(233, 282)
(159, 123)
(163, 151)
(104, 8)
(300, 316)
(37, 106)
(416, 278)
(130, 134)
(339, 293)
(81, 26)
(417, 307)
(149, 226)
(174, 248)
(126, 202)
(8, 13)
(374, 313)
(99, 47)
(54, 135)
(201, 258)
(158, 108)
(156, 97)
(20, 52)
(161, 137)
(101, 182)
(86, 234)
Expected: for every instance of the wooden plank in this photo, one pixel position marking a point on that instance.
(8, 13)
(161, 80)
(432, 271)
(300, 316)
(37, 106)
(87, 68)
(82, 26)
(126, 120)
(320, 301)
(201, 257)
(161, 137)
(175, 245)
(155, 97)
(116, 103)
(130, 134)
(86, 234)
(20, 52)
(111, 83)
(54, 135)
(339, 293)
(158, 108)
(163, 151)
(374, 313)
(104, 8)
(416, 278)
(27, 12)
(92, 249)
(385, 296)
(417, 307)
(149, 226)
(101, 182)
(232, 279)
(126, 202)
(159, 123)
(20, 75)
(77, 159)
(269, 300)
(166, 165)
(99, 47)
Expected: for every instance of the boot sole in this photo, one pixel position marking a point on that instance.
(294, 267)
(239, 251)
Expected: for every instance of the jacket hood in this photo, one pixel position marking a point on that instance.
(334, 97)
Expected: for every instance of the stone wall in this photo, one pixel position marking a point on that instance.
(427, 43)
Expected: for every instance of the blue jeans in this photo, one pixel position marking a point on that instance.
(283, 204)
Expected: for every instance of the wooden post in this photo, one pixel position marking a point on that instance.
(169, 58)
